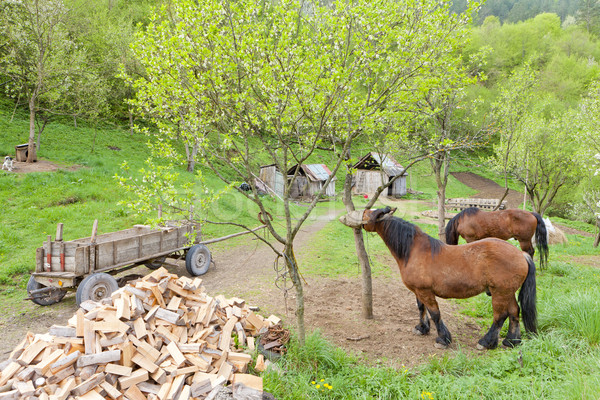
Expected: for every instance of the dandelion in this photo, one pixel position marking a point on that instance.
(322, 380)
(313, 382)
(318, 386)
(426, 395)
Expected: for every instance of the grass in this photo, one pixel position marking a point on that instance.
(542, 367)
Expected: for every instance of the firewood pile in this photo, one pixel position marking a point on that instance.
(160, 337)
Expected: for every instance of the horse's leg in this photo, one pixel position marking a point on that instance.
(428, 299)
(513, 337)
(423, 327)
(500, 307)
(527, 247)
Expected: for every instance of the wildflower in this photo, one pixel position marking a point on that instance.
(313, 382)
(426, 395)
(322, 380)
(318, 386)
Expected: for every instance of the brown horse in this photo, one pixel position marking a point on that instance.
(430, 268)
(473, 224)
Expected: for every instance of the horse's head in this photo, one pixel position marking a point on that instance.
(366, 218)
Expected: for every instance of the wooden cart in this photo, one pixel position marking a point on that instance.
(88, 264)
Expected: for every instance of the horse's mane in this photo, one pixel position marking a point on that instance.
(452, 227)
(399, 235)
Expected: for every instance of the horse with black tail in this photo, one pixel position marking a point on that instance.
(474, 224)
(430, 269)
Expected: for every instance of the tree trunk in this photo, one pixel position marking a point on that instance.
(292, 267)
(75, 121)
(597, 239)
(130, 121)
(441, 168)
(361, 253)
(441, 197)
(191, 156)
(31, 151)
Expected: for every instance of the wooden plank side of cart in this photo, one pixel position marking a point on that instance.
(110, 251)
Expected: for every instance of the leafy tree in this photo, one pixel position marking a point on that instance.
(545, 158)
(509, 112)
(41, 60)
(428, 56)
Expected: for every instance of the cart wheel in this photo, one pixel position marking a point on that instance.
(197, 260)
(45, 299)
(96, 287)
(155, 263)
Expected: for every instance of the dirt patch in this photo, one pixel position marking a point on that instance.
(572, 231)
(40, 166)
(592, 261)
(488, 189)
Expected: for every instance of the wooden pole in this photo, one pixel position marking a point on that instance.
(232, 235)
(59, 232)
(94, 231)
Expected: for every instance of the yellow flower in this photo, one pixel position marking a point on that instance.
(318, 386)
(322, 380)
(313, 382)
(426, 395)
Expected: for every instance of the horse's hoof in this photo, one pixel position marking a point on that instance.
(480, 347)
(417, 332)
(440, 346)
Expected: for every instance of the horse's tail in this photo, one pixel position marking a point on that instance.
(527, 298)
(452, 229)
(541, 240)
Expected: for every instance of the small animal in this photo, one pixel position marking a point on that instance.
(8, 163)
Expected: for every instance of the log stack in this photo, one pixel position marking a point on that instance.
(159, 338)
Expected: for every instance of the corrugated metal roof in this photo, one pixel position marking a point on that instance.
(387, 163)
(314, 172)
(317, 172)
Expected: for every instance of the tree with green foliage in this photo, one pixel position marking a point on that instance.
(426, 54)
(545, 156)
(587, 121)
(41, 60)
(240, 76)
(509, 111)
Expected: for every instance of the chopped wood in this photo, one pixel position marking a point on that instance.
(65, 361)
(111, 391)
(260, 363)
(60, 375)
(143, 362)
(117, 369)
(101, 358)
(66, 331)
(167, 315)
(134, 393)
(160, 338)
(137, 376)
(88, 384)
(91, 395)
(176, 354)
(44, 366)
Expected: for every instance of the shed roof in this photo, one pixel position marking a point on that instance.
(374, 161)
(314, 172)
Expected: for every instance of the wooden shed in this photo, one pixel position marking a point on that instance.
(373, 170)
(271, 177)
(310, 180)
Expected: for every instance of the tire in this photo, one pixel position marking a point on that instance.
(47, 299)
(96, 287)
(197, 260)
(155, 263)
